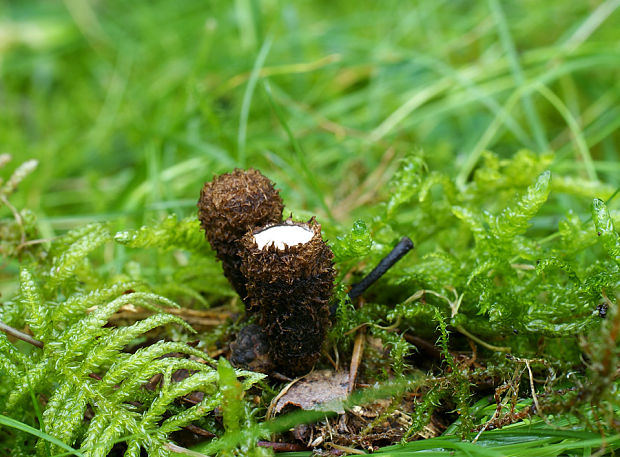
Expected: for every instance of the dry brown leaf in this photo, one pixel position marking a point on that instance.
(322, 390)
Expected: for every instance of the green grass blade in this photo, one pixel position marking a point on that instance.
(10, 422)
(517, 71)
(580, 141)
(301, 157)
(247, 101)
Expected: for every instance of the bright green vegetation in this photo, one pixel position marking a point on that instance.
(378, 117)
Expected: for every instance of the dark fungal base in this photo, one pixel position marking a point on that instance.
(251, 350)
(230, 206)
(291, 287)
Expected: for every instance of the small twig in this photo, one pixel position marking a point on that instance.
(388, 328)
(498, 409)
(403, 247)
(356, 358)
(532, 388)
(356, 328)
(20, 335)
(279, 376)
(34, 242)
(330, 359)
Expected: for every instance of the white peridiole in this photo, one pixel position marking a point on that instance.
(283, 235)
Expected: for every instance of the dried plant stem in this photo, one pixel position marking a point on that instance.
(532, 388)
(356, 358)
(403, 247)
(20, 335)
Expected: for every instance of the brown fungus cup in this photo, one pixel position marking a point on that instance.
(290, 277)
(230, 206)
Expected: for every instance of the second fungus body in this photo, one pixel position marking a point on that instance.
(230, 206)
(290, 277)
(251, 350)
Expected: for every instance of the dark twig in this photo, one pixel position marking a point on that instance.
(403, 247)
(20, 335)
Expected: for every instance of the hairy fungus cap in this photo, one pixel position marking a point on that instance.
(271, 258)
(234, 203)
(290, 279)
(231, 205)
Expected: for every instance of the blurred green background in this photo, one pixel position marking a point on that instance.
(130, 106)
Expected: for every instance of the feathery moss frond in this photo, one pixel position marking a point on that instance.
(116, 340)
(143, 358)
(460, 384)
(65, 263)
(10, 360)
(73, 308)
(36, 377)
(474, 220)
(514, 219)
(170, 233)
(605, 229)
(355, 244)
(33, 302)
(77, 344)
(142, 374)
(480, 261)
(18, 176)
(406, 182)
(232, 392)
(435, 178)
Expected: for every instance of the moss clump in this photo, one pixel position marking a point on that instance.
(291, 287)
(231, 205)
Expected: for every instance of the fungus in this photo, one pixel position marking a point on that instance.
(282, 269)
(251, 350)
(290, 276)
(231, 205)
